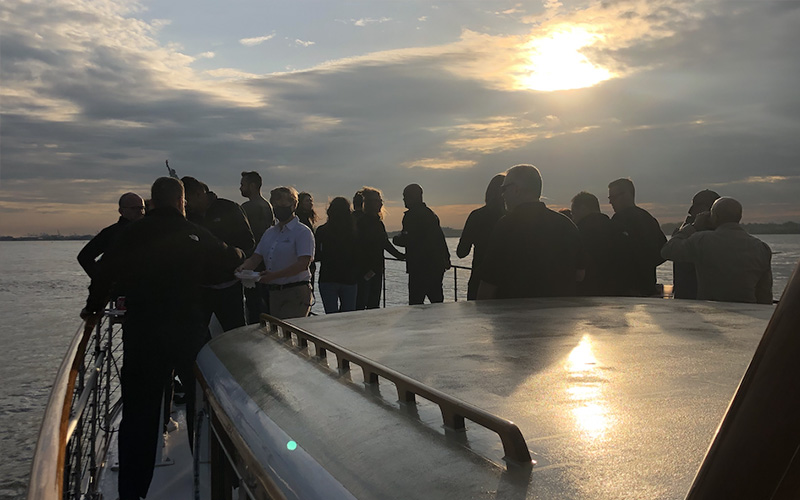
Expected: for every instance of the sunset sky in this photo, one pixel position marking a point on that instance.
(329, 96)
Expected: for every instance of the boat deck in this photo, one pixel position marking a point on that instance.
(616, 397)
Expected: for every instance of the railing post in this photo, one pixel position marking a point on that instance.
(455, 284)
(383, 283)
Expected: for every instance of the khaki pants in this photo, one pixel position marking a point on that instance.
(292, 302)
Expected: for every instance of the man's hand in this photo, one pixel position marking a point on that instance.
(266, 277)
(702, 222)
(90, 318)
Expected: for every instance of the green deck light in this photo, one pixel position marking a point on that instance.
(291, 446)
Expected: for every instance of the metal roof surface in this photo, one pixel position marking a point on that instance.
(616, 397)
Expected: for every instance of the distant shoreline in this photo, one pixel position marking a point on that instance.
(449, 232)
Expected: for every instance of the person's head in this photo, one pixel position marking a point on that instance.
(250, 185)
(167, 192)
(373, 201)
(339, 211)
(494, 191)
(523, 184)
(284, 203)
(358, 201)
(131, 206)
(305, 206)
(196, 195)
(725, 210)
(412, 195)
(621, 194)
(702, 201)
(566, 212)
(583, 204)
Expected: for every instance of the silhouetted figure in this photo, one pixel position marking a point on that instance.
(336, 254)
(286, 249)
(684, 277)
(731, 265)
(603, 246)
(161, 261)
(308, 216)
(226, 220)
(131, 208)
(566, 212)
(477, 230)
(533, 251)
(645, 239)
(259, 215)
(427, 256)
(371, 241)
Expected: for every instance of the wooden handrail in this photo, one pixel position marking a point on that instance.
(454, 411)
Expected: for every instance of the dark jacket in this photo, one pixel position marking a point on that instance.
(226, 220)
(336, 253)
(98, 245)
(645, 240)
(371, 241)
(426, 248)
(161, 261)
(533, 252)
(605, 251)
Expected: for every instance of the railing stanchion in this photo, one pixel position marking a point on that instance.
(455, 284)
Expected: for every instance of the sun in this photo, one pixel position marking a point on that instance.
(556, 63)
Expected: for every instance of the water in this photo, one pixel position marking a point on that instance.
(42, 288)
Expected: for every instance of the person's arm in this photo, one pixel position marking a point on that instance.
(250, 263)
(300, 265)
(467, 240)
(87, 257)
(679, 248)
(397, 254)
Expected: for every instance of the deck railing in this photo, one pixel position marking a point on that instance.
(76, 427)
(453, 267)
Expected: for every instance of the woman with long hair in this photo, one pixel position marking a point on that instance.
(336, 253)
(372, 241)
(308, 216)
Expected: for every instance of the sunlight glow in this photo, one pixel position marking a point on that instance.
(590, 412)
(556, 61)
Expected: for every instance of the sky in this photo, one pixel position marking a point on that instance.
(329, 96)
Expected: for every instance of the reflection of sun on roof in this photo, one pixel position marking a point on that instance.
(556, 61)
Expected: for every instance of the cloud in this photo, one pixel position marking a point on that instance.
(304, 44)
(89, 94)
(206, 55)
(251, 42)
(369, 20)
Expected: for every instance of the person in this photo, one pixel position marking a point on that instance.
(477, 229)
(371, 241)
(336, 254)
(731, 265)
(644, 236)
(131, 208)
(684, 277)
(533, 251)
(286, 249)
(259, 215)
(308, 216)
(603, 246)
(161, 261)
(226, 220)
(427, 256)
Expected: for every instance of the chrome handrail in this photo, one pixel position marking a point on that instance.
(75, 430)
(454, 411)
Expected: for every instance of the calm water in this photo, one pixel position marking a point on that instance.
(42, 288)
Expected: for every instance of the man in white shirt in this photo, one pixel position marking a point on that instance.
(286, 249)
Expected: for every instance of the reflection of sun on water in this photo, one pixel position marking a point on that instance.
(556, 62)
(590, 412)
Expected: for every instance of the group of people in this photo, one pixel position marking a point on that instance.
(178, 266)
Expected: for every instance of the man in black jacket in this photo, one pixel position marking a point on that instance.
(427, 256)
(226, 220)
(131, 208)
(644, 236)
(161, 261)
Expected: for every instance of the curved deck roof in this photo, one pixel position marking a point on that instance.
(616, 397)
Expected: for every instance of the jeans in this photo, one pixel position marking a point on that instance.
(369, 293)
(338, 297)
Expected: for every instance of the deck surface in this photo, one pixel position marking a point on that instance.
(617, 398)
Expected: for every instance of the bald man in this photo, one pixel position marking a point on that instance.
(131, 208)
(731, 265)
